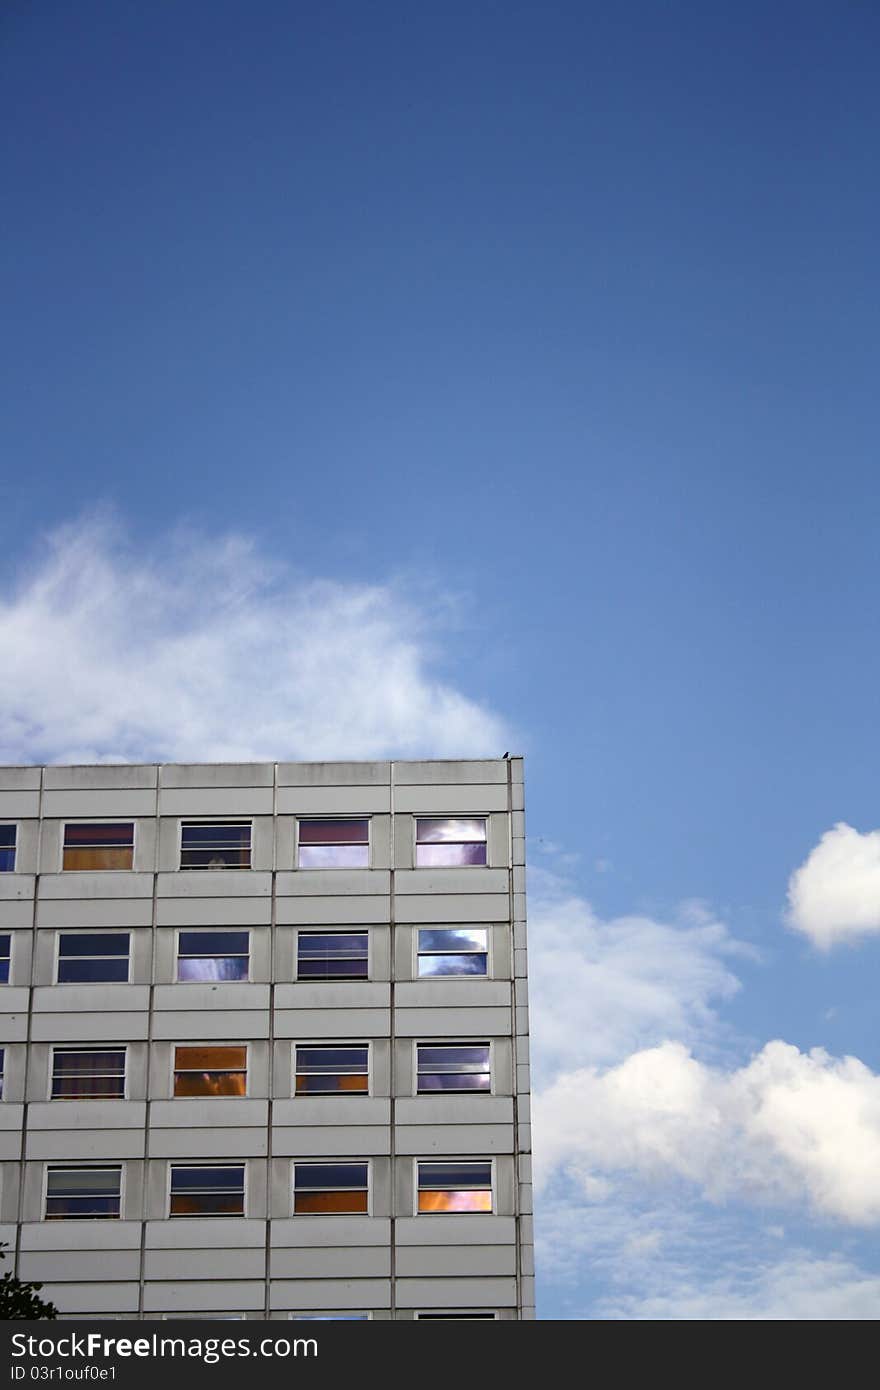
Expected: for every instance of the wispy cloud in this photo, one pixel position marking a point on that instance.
(834, 896)
(200, 650)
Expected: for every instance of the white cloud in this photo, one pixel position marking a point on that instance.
(600, 989)
(834, 896)
(787, 1127)
(201, 651)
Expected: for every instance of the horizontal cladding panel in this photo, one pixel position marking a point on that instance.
(453, 799)
(11, 1117)
(344, 775)
(450, 1023)
(84, 1144)
(226, 997)
(462, 773)
(334, 801)
(451, 993)
(100, 777)
(325, 1231)
(200, 776)
(201, 1024)
(427, 1140)
(345, 883)
(96, 999)
(347, 1262)
(119, 804)
(208, 1114)
(454, 1110)
(332, 1110)
(455, 907)
(13, 999)
(208, 912)
(332, 1023)
(21, 778)
(10, 1146)
(64, 913)
(89, 1027)
(357, 910)
(19, 805)
(455, 1229)
(68, 1235)
(312, 1141)
(330, 1293)
(87, 1114)
(121, 883)
(80, 1264)
(228, 802)
(213, 884)
(205, 1264)
(17, 888)
(442, 881)
(330, 994)
(456, 1293)
(209, 1296)
(205, 1233)
(443, 1261)
(208, 1143)
(13, 1028)
(91, 1298)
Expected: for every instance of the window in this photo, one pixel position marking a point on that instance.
(7, 849)
(455, 1317)
(83, 1192)
(330, 1317)
(332, 955)
(445, 844)
(217, 1190)
(330, 1189)
(5, 957)
(453, 1067)
(80, 1073)
(334, 844)
(455, 1186)
(2, 1069)
(210, 1071)
(218, 844)
(324, 1071)
(105, 846)
(213, 955)
(93, 957)
(453, 951)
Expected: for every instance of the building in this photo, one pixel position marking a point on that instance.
(265, 1039)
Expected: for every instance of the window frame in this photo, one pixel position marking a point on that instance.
(185, 821)
(3, 1076)
(231, 1071)
(11, 936)
(331, 1095)
(53, 1165)
(440, 1158)
(4, 849)
(205, 931)
(328, 868)
(333, 979)
(103, 820)
(207, 1215)
(92, 931)
(459, 927)
(484, 816)
(459, 1042)
(86, 1047)
(343, 1161)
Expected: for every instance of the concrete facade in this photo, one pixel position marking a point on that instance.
(152, 1148)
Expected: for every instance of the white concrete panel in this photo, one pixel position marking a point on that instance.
(10, 1146)
(333, 911)
(332, 1023)
(208, 1143)
(332, 1110)
(213, 884)
(87, 913)
(453, 800)
(443, 1261)
(76, 1115)
(345, 774)
(95, 999)
(13, 1028)
(68, 1235)
(112, 884)
(441, 772)
(454, 1110)
(334, 801)
(441, 881)
(333, 994)
(209, 912)
(215, 1112)
(331, 1142)
(17, 887)
(103, 805)
(11, 1117)
(88, 777)
(19, 805)
(456, 1293)
(84, 1144)
(205, 1264)
(328, 1231)
(330, 1293)
(205, 1233)
(452, 993)
(84, 1265)
(21, 777)
(456, 907)
(208, 775)
(455, 1229)
(427, 1141)
(228, 998)
(358, 1262)
(203, 1025)
(214, 1296)
(89, 1027)
(344, 883)
(450, 1023)
(90, 1298)
(229, 802)
(14, 999)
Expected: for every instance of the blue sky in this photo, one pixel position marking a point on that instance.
(510, 371)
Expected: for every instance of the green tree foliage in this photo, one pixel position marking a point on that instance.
(19, 1299)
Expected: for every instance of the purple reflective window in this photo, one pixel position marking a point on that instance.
(449, 856)
(334, 856)
(434, 830)
(334, 832)
(213, 955)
